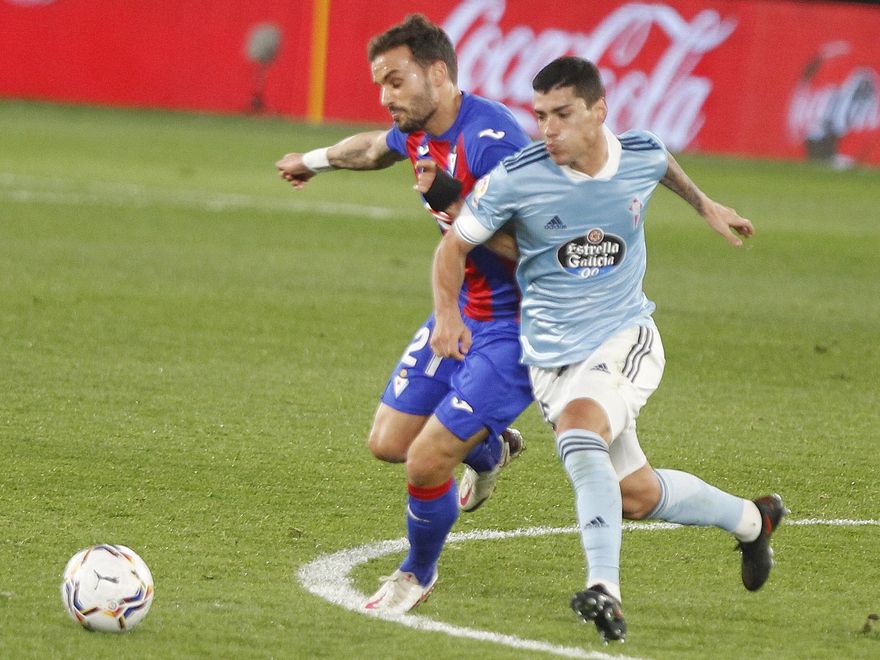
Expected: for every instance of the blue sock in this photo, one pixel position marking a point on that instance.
(430, 514)
(486, 455)
(688, 500)
(597, 499)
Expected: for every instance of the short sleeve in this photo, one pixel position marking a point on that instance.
(487, 208)
(396, 140)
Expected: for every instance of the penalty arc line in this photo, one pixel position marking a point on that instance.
(329, 577)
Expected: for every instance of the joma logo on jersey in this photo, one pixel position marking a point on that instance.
(592, 254)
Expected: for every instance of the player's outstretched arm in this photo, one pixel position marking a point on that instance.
(451, 337)
(362, 151)
(722, 219)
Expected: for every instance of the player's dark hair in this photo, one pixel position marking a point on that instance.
(574, 72)
(427, 41)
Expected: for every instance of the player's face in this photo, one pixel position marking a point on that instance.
(570, 128)
(406, 90)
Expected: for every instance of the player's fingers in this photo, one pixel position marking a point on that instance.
(465, 342)
(447, 348)
(456, 351)
(424, 183)
(746, 228)
(741, 227)
(732, 238)
(427, 171)
(441, 345)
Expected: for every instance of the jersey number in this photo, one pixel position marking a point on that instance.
(418, 343)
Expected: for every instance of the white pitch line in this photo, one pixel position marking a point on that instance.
(834, 522)
(32, 190)
(329, 577)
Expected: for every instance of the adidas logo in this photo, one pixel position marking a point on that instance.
(596, 522)
(601, 367)
(555, 223)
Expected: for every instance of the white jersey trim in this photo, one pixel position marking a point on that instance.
(609, 169)
(469, 228)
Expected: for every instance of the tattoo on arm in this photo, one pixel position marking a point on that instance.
(363, 151)
(680, 183)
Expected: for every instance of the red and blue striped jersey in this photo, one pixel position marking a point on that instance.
(483, 133)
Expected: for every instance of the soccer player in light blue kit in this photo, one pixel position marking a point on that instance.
(577, 203)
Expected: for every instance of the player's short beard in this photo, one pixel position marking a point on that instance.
(419, 113)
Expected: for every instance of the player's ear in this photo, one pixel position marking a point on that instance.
(438, 73)
(601, 109)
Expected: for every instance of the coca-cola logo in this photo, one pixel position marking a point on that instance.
(833, 98)
(658, 93)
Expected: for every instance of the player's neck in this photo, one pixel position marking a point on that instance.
(593, 160)
(447, 112)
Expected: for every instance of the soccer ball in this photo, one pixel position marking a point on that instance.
(107, 588)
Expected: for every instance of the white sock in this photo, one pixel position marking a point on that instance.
(688, 500)
(612, 588)
(749, 525)
(597, 500)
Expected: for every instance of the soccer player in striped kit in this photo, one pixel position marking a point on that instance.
(436, 413)
(577, 203)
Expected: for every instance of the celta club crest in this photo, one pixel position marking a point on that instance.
(635, 209)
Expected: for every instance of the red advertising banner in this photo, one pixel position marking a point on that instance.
(778, 79)
(185, 54)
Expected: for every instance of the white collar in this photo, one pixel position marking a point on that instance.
(609, 169)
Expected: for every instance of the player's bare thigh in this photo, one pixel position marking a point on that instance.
(436, 452)
(393, 433)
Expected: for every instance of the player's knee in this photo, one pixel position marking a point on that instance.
(425, 471)
(386, 447)
(640, 494)
(637, 506)
(584, 414)
(427, 465)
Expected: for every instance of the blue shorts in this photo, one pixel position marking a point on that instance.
(489, 388)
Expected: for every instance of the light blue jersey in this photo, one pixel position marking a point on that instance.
(581, 241)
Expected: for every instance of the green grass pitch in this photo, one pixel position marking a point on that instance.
(191, 353)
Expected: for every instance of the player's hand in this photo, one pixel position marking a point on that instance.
(426, 170)
(451, 337)
(292, 169)
(727, 222)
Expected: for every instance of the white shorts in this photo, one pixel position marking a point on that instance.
(620, 375)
